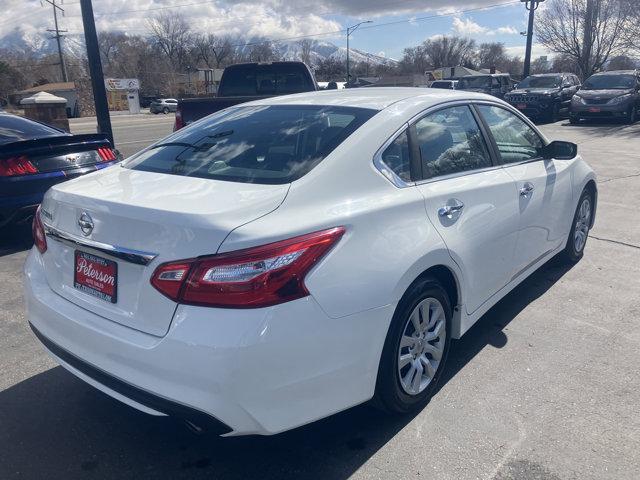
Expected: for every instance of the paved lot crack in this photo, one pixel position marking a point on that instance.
(617, 242)
(619, 178)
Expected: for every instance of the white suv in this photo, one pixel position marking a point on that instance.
(286, 259)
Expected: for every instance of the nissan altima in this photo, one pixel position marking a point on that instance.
(282, 260)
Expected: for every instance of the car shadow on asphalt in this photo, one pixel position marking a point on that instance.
(56, 426)
(15, 238)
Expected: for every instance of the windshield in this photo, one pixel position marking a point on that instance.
(606, 82)
(269, 144)
(474, 82)
(15, 129)
(540, 82)
(275, 79)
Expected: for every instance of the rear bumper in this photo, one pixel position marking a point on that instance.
(258, 371)
(600, 111)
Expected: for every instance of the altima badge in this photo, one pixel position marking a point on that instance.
(86, 224)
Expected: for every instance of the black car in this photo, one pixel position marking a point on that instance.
(35, 156)
(608, 95)
(496, 84)
(546, 96)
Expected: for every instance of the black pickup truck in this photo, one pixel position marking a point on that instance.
(245, 82)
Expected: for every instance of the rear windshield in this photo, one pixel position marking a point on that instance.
(605, 82)
(246, 80)
(540, 82)
(270, 144)
(15, 129)
(446, 85)
(474, 82)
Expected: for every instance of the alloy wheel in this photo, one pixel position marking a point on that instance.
(422, 346)
(583, 220)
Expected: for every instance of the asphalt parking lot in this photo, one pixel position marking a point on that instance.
(545, 386)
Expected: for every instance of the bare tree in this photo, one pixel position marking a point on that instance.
(172, 35)
(305, 50)
(213, 50)
(448, 51)
(622, 62)
(262, 52)
(588, 31)
(492, 55)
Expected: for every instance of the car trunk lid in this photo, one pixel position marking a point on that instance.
(147, 215)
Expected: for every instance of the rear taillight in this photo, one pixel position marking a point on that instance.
(14, 166)
(178, 123)
(250, 278)
(37, 229)
(106, 154)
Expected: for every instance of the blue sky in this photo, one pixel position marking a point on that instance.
(500, 24)
(278, 19)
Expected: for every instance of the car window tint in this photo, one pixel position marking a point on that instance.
(396, 157)
(450, 142)
(15, 129)
(268, 144)
(516, 140)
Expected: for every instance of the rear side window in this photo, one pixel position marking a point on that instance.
(15, 129)
(246, 80)
(269, 144)
(450, 142)
(516, 140)
(396, 157)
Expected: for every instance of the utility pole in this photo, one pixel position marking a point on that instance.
(95, 69)
(58, 37)
(532, 6)
(350, 30)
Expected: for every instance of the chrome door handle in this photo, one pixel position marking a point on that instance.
(526, 189)
(449, 210)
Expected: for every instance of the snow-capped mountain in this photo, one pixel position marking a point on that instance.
(41, 45)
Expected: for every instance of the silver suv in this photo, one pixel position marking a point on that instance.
(163, 105)
(614, 95)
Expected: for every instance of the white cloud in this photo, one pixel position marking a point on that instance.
(536, 51)
(508, 30)
(467, 27)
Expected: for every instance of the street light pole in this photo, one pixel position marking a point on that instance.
(532, 6)
(350, 30)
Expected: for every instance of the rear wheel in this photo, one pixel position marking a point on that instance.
(416, 348)
(579, 233)
(165, 110)
(573, 120)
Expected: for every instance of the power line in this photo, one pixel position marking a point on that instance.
(58, 37)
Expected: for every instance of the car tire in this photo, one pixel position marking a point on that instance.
(579, 233)
(633, 115)
(573, 120)
(165, 110)
(425, 297)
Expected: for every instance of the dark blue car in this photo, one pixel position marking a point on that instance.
(35, 156)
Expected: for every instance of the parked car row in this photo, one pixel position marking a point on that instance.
(549, 96)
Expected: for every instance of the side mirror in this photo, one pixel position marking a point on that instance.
(560, 150)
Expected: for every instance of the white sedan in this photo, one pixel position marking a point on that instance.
(285, 259)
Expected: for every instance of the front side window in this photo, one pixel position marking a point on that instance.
(474, 82)
(450, 142)
(396, 157)
(268, 144)
(517, 141)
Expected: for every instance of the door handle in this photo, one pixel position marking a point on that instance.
(449, 209)
(526, 189)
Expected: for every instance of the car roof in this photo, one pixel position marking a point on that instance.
(377, 98)
(617, 72)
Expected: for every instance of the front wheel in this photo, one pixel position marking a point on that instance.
(579, 233)
(165, 110)
(415, 349)
(633, 115)
(554, 114)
